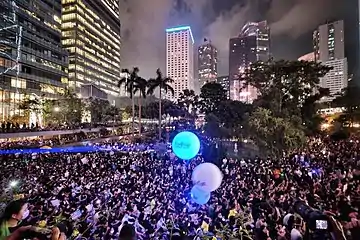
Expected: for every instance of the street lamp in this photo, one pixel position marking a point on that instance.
(56, 109)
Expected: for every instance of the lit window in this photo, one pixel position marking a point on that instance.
(18, 83)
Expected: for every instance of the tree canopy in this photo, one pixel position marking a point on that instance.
(275, 134)
(286, 105)
(160, 82)
(189, 101)
(283, 86)
(212, 94)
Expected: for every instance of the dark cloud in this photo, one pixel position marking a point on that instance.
(302, 16)
(144, 23)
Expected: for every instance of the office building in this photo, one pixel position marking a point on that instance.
(33, 63)
(329, 48)
(224, 82)
(180, 59)
(91, 34)
(336, 79)
(328, 41)
(207, 63)
(252, 45)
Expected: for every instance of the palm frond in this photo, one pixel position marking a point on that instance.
(169, 88)
(152, 85)
(122, 82)
(140, 85)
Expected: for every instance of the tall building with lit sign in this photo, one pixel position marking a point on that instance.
(33, 63)
(252, 45)
(180, 58)
(207, 63)
(91, 34)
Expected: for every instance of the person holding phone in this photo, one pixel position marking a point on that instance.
(11, 228)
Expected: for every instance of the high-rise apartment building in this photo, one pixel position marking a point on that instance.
(329, 48)
(33, 63)
(252, 45)
(180, 59)
(91, 34)
(336, 79)
(329, 41)
(207, 63)
(224, 82)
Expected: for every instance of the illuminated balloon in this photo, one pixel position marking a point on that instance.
(186, 145)
(207, 176)
(199, 196)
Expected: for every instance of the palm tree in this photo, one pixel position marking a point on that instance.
(163, 83)
(129, 81)
(140, 86)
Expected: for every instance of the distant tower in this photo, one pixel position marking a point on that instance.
(252, 45)
(207, 63)
(329, 41)
(329, 48)
(180, 59)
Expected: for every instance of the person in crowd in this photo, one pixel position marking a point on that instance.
(105, 194)
(127, 232)
(12, 229)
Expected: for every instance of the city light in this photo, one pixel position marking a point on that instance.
(13, 183)
(56, 109)
(184, 28)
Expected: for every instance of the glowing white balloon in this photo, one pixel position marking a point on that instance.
(207, 176)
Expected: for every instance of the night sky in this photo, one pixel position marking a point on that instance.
(291, 22)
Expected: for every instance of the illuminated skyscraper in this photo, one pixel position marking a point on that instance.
(91, 34)
(33, 63)
(252, 45)
(180, 58)
(329, 48)
(329, 41)
(207, 63)
(224, 82)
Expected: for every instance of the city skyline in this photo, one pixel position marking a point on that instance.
(251, 45)
(218, 21)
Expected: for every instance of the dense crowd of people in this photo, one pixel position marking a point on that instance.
(51, 141)
(15, 127)
(98, 195)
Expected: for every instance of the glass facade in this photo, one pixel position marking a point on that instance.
(252, 44)
(32, 60)
(91, 34)
(207, 63)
